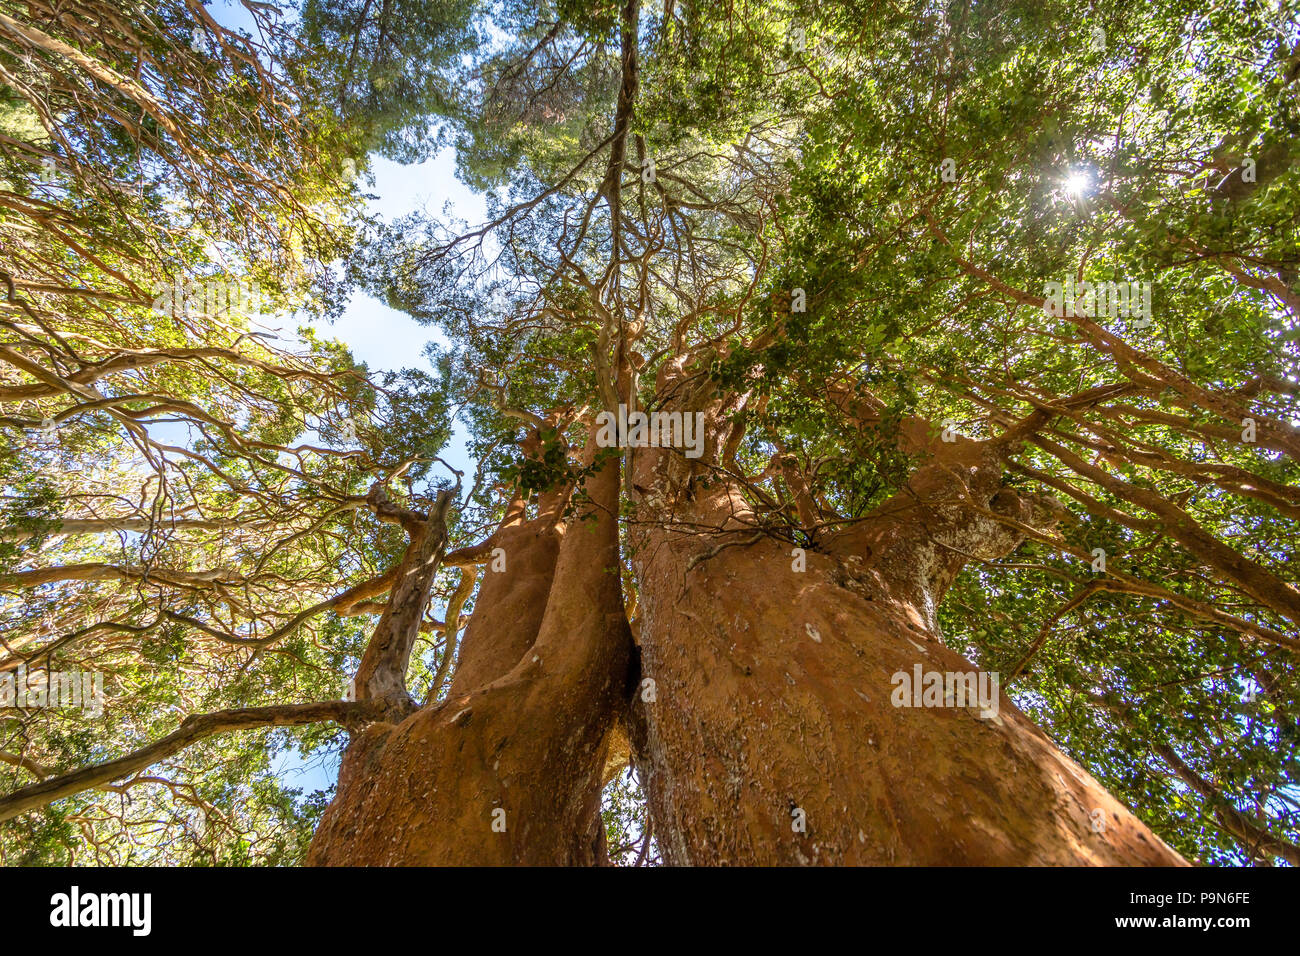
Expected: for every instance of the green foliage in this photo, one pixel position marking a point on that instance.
(798, 146)
(389, 67)
(208, 457)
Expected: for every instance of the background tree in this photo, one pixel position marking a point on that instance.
(183, 492)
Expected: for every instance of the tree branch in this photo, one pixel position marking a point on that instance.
(191, 730)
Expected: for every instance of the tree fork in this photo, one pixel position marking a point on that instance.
(773, 737)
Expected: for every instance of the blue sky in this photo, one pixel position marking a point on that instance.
(381, 337)
(384, 338)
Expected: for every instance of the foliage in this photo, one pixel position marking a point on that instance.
(913, 175)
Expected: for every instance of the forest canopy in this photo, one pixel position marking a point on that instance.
(990, 316)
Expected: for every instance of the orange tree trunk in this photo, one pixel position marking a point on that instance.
(768, 733)
(764, 721)
(506, 770)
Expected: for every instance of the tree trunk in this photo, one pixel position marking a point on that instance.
(766, 728)
(506, 770)
(769, 735)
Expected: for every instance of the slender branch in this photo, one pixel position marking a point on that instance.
(191, 730)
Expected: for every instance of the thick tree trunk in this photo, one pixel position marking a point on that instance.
(773, 694)
(768, 732)
(506, 770)
(771, 736)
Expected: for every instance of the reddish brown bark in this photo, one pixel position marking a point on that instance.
(513, 597)
(772, 690)
(769, 734)
(507, 770)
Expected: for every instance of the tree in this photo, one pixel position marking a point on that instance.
(837, 255)
(183, 492)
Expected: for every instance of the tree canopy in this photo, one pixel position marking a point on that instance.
(849, 218)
